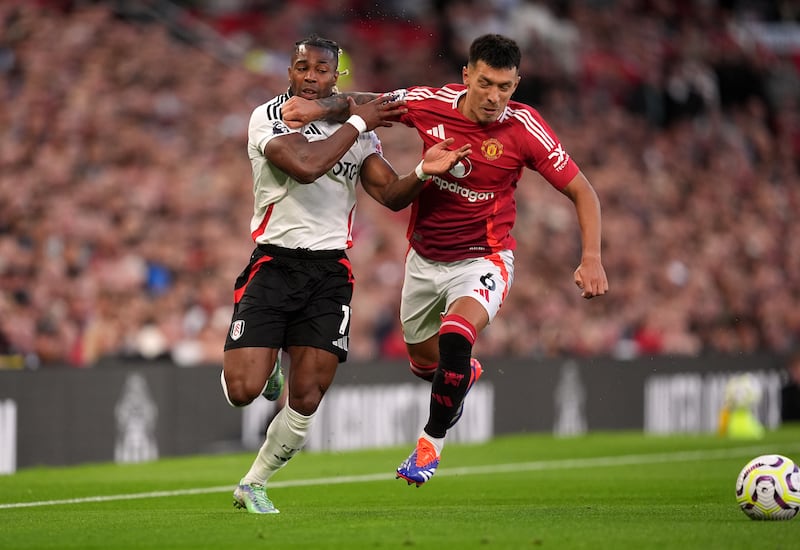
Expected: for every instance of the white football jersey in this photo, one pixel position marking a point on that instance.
(316, 216)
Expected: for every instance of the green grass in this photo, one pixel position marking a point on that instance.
(513, 493)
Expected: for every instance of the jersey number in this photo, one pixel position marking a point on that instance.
(488, 282)
(345, 319)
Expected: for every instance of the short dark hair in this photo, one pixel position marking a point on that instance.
(496, 50)
(317, 41)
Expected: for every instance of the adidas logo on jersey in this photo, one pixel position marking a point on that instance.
(436, 131)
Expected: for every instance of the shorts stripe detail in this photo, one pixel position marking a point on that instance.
(346, 262)
(497, 260)
(239, 292)
(454, 323)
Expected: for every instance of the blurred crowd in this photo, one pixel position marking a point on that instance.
(126, 193)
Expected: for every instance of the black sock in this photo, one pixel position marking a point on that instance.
(450, 383)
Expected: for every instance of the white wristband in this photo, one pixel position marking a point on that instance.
(421, 176)
(358, 123)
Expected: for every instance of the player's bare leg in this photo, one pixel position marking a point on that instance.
(311, 373)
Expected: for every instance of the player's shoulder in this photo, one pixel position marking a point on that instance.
(270, 110)
(525, 118)
(517, 109)
(447, 93)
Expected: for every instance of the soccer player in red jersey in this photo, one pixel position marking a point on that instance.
(459, 267)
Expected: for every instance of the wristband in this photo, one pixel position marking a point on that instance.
(422, 176)
(358, 123)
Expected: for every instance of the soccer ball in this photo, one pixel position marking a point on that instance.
(768, 487)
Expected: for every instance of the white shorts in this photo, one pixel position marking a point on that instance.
(430, 287)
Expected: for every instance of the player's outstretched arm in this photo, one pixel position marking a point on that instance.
(590, 276)
(298, 111)
(377, 112)
(382, 183)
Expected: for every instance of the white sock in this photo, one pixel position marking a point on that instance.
(437, 442)
(285, 436)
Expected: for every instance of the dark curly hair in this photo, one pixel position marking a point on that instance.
(497, 51)
(317, 41)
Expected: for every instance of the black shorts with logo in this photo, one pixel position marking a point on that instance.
(293, 297)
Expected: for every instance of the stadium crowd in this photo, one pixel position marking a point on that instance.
(125, 191)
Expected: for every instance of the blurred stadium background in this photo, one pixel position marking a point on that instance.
(125, 189)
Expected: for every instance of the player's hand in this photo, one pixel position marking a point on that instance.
(591, 278)
(298, 111)
(439, 159)
(378, 111)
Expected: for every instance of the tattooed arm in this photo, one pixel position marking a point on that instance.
(298, 112)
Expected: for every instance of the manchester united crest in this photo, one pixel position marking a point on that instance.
(492, 149)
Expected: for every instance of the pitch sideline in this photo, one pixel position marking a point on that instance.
(560, 464)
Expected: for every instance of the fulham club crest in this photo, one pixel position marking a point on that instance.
(237, 329)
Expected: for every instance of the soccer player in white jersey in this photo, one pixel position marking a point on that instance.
(459, 266)
(295, 292)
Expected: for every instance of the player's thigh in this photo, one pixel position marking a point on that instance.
(311, 373)
(422, 301)
(246, 370)
(261, 308)
(257, 327)
(485, 281)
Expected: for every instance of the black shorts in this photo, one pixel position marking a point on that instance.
(293, 297)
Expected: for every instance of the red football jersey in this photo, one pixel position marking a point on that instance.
(470, 212)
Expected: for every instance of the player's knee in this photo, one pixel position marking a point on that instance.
(422, 370)
(236, 391)
(306, 403)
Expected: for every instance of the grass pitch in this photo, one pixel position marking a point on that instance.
(603, 490)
